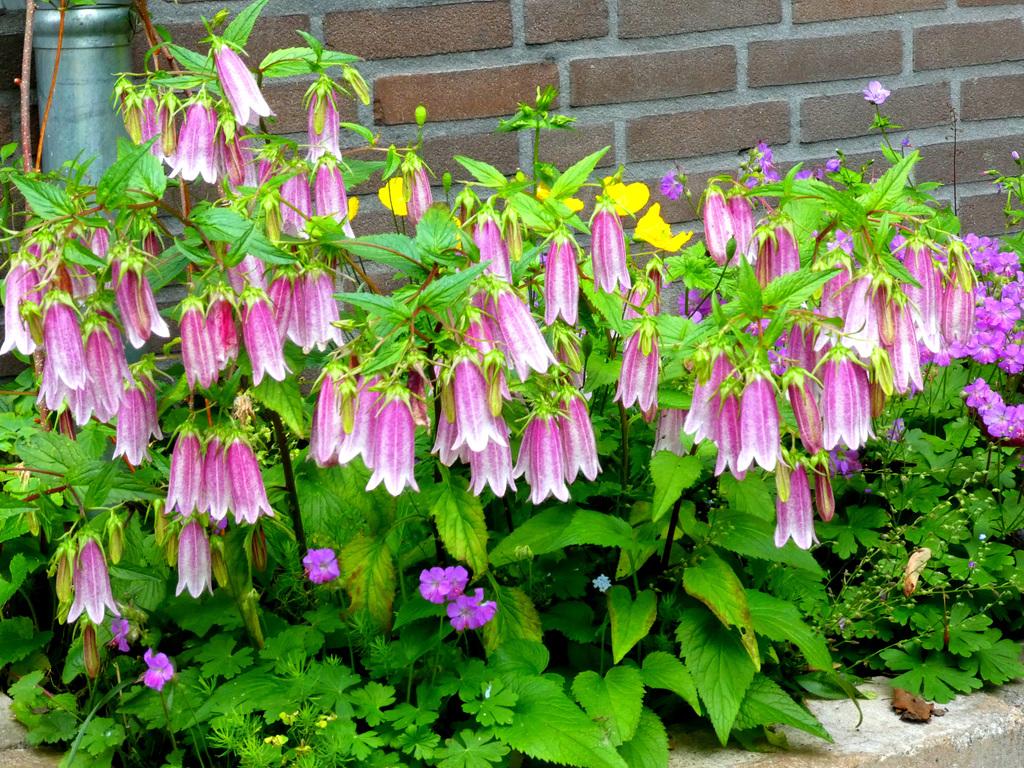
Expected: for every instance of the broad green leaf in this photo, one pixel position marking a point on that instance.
(749, 294)
(573, 618)
(285, 398)
(286, 62)
(190, 60)
(516, 618)
(664, 671)
(391, 249)
(720, 666)
(597, 529)
(649, 746)
(795, 288)
(779, 620)
(997, 663)
(487, 175)
(893, 184)
(766, 703)
(716, 585)
(437, 233)
(548, 726)
(218, 660)
(459, 517)
(752, 536)
(693, 266)
(442, 294)
(47, 199)
(554, 529)
(386, 307)
(240, 28)
(368, 573)
(614, 701)
(749, 495)
(576, 175)
(20, 568)
(631, 620)
(136, 169)
(609, 305)
(474, 751)
(18, 639)
(139, 586)
(672, 475)
(520, 657)
(242, 234)
(857, 530)
(936, 675)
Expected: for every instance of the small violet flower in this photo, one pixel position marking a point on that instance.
(160, 670)
(438, 585)
(671, 187)
(468, 612)
(321, 565)
(875, 93)
(119, 629)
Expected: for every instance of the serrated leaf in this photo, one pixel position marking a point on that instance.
(888, 189)
(190, 60)
(576, 175)
(672, 475)
(18, 639)
(240, 28)
(437, 232)
(631, 620)
(441, 294)
(795, 288)
(368, 572)
(997, 663)
(573, 618)
(19, 570)
(476, 750)
(242, 234)
(138, 167)
(649, 746)
(386, 307)
(515, 619)
(766, 703)
(935, 676)
(218, 660)
(664, 671)
(780, 620)
(485, 174)
(749, 291)
(720, 666)
(752, 536)
(285, 398)
(460, 521)
(287, 62)
(391, 249)
(714, 583)
(857, 530)
(614, 702)
(47, 199)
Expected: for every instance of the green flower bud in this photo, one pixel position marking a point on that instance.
(421, 115)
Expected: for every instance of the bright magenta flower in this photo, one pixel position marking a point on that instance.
(92, 585)
(491, 467)
(542, 459)
(106, 366)
(475, 425)
(324, 123)
(778, 254)
(263, 342)
(330, 194)
(22, 286)
(296, 207)
(957, 322)
(759, 426)
(487, 236)
(394, 445)
(702, 419)
(846, 404)
(183, 487)
(220, 323)
(239, 86)
(795, 517)
(467, 612)
(416, 184)
(327, 429)
(359, 442)
(718, 229)
(561, 280)
(248, 494)
(197, 351)
(196, 154)
(195, 572)
(638, 382)
(160, 670)
(215, 490)
(135, 299)
(928, 298)
(727, 435)
(905, 353)
(524, 344)
(805, 409)
(579, 446)
(62, 339)
(608, 248)
(321, 565)
(137, 422)
(741, 217)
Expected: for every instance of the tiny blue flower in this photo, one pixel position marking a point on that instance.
(602, 583)
(487, 690)
(982, 536)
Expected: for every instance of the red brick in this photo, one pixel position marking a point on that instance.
(848, 114)
(973, 158)
(706, 132)
(651, 18)
(819, 59)
(563, 148)
(422, 31)
(285, 98)
(550, 21)
(988, 98)
(806, 11)
(460, 95)
(646, 76)
(983, 214)
(498, 149)
(961, 45)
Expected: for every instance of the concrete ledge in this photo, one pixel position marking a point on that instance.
(982, 730)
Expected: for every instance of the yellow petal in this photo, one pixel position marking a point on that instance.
(543, 192)
(573, 204)
(353, 207)
(393, 196)
(629, 198)
(654, 230)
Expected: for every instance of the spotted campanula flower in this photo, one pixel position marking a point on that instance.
(239, 86)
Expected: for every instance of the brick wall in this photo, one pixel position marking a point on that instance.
(693, 82)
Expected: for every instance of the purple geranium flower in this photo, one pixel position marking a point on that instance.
(671, 187)
(440, 584)
(875, 93)
(321, 565)
(160, 670)
(119, 629)
(473, 612)
(833, 165)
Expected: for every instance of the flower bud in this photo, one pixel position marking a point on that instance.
(115, 539)
(251, 616)
(220, 568)
(160, 523)
(32, 518)
(782, 484)
(63, 581)
(877, 400)
(259, 548)
(446, 182)
(171, 551)
(421, 115)
(90, 651)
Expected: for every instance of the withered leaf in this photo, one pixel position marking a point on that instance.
(911, 708)
(912, 572)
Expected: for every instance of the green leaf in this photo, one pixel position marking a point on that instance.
(285, 398)
(749, 293)
(443, 293)
(397, 251)
(460, 521)
(137, 169)
(649, 746)
(796, 287)
(998, 663)
(18, 639)
(576, 175)
(437, 233)
(779, 620)
(965, 630)
(287, 62)
(720, 666)
(19, 571)
(476, 750)
(229, 226)
(47, 199)
(672, 475)
(494, 707)
(370, 700)
(369, 577)
(752, 536)
(859, 529)
(664, 671)
(892, 186)
(715, 584)
(240, 28)
(219, 661)
(548, 726)
(631, 620)
(190, 60)
(555, 529)
(386, 307)
(515, 619)
(693, 266)
(487, 175)
(749, 495)
(934, 676)
(766, 703)
(614, 701)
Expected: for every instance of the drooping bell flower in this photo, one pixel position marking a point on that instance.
(394, 444)
(524, 344)
(846, 404)
(795, 517)
(823, 498)
(282, 296)
(137, 421)
(491, 467)
(702, 419)
(759, 425)
(197, 353)
(22, 286)
(249, 271)
(835, 294)
(800, 350)
(444, 440)
(668, 432)
(541, 459)
(196, 154)
(150, 128)
(727, 434)
(334, 407)
(475, 425)
(248, 494)
(220, 324)
(135, 299)
(488, 238)
(185, 479)
(741, 217)
(608, 248)
(579, 446)
(561, 280)
(237, 160)
(718, 229)
(324, 123)
(359, 441)
(566, 346)
(904, 352)
(416, 184)
(778, 253)
(239, 85)
(92, 585)
(861, 330)
(106, 366)
(805, 409)
(329, 193)
(641, 364)
(643, 300)
(262, 340)
(314, 314)
(928, 298)
(215, 489)
(53, 392)
(195, 572)
(295, 206)
(957, 322)
(62, 339)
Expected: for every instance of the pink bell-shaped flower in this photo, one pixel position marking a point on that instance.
(805, 409)
(248, 494)
(515, 326)
(282, 295)
(135, 299)
(561, 280)
(262, 340)
(327, 429)
(795, 517)
(846, 404)
(330, 194)
(957, 322)
(239, 86)
(718, 229)
(741, 218)
(220, 324)
(608, 248)
(860, 332)
(296, 207)
(62, 339)
(579, 446)
(359, 442)
(759, 426)
(195, 571)
(541, 459)
(668, 432)
(394, 445)
(92, 585)
(215, 490)
(185, 480)
(249, 271)
(22, 286)
(416, 184)
(835, 294)
(315, 314)
(238, 161)
(444, 440)
(928, 298)
(196, 154)
(137, 421)
(638, 381)
(905, 353)
(493, 249)
(727, 435)
(702, 419)
(778, 254)
(491, 467)
(106, 366)
(197, 352)
(324, 122)
(475, 425)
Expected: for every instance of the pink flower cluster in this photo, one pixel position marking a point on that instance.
(447, 585)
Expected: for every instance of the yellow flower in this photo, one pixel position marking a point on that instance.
(574, 205)
(392, 195)
(628, 198)
(654, 230)
(353, 207)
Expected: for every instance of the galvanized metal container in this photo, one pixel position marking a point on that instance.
(83, 120)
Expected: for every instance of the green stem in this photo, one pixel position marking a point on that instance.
(289, 481)
(167, 714)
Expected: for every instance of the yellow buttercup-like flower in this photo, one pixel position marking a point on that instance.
(655, 230)
(353, 207)
(392, 195)
(571, 203)
(628, 198)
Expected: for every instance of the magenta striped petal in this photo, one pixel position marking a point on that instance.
(795, 517)
(541, 460)
(905, 353)
(248, 494)
(846, 404)
(330, 195)
(608, 248)
(22, 285)
(197, 351)
(487, 236)
(668, 432)
(394, 448)
(578, 442)
(702, 419)
(92, 585)
(220, 324)
(717, 225)
(196, 154)
(561, 281)
(183, 487)
(239, 86)
(524, 342)
(359, 442)
(823, 497)
(326, 140)
(808, 418)
(62, 339)
(638, 381)
(295, 207)
(475, 426)
(741, 218)
(262, 340)
(957, 314)
(491, 467)
(420, 196)
(215, 491)
(195, 571)
(759, 426)
(326, 430)
(727, 436)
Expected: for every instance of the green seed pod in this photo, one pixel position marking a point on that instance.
(220, 568)
(63, 581)
(421, 115)
(90, 651)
